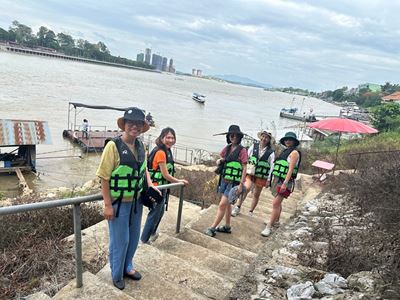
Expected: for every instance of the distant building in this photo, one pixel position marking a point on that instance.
(194, 72)
(371, 87)
(147, 56)
(171, 67)
(140, 57)
(199, 73)
(156, 61)
(395, 97)
(164, 66)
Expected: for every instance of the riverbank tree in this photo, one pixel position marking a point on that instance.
(64, 43)
(362, 97)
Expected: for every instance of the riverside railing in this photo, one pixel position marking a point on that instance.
(76, 202)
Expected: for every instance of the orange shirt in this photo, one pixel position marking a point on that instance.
(159, 157)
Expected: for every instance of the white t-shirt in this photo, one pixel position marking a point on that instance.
(261, 152)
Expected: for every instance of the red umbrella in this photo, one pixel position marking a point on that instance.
(342, 125)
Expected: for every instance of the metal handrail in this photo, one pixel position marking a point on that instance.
(76, 202)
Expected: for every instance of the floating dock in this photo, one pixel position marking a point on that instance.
(297, 117)
(96, 139)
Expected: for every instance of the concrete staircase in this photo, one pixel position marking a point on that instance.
(188, 265)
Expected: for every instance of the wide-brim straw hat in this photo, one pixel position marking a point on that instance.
(260, 133)
(133, 114)
(290, 136)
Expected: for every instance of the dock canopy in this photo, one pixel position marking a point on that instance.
(23, 132)
(76, 104)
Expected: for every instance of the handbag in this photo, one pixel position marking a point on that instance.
(219, 168)
(151, 197)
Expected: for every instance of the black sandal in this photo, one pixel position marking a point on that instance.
(224, 229)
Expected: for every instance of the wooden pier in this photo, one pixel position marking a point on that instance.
(95, 141)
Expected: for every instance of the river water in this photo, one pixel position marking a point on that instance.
(40, 88)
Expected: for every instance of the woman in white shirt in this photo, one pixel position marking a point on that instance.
(259, 169)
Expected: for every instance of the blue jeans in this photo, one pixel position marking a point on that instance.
(153, 220)
(225, 187)
(124, 238)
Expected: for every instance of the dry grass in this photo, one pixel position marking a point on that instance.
(369, 240)
(33, 255)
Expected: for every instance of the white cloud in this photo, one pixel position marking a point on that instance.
(305, 43)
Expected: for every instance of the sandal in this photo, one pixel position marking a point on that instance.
(224, 229)
(210, 232)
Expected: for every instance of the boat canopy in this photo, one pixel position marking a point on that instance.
(76, 104)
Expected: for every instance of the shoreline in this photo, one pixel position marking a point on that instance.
(33, 52)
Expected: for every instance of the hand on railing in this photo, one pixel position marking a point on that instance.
(185, 182)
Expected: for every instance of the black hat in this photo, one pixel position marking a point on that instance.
(234, 129)
(133, 114)
(290, 136)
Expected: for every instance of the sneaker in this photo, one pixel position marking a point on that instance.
(235, 211)
(210, 231)
(250, 214)
(266, 232)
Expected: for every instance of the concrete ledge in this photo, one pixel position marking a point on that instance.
(199, 238)
(171, 268)
(202, 257)
(93, 288)
(151, 286)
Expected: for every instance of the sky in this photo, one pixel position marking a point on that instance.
(311, 44)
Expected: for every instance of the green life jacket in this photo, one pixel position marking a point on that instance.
(127, 178)
(156, 175)
(281, 165)
(232, 170)
(262, 165)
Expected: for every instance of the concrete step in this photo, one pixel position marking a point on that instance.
(212, 244)
(245, 230)
(95, 238)
(151, 286)
(93, 288)
(190, 211)
(171, 268)
(201, 257)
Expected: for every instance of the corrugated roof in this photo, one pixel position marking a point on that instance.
(392, 97)
(24, 132)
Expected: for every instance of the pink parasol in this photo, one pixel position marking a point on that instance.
(342, 125)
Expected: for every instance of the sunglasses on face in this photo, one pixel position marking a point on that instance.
(138, 124)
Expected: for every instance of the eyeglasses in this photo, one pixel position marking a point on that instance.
(131, 123)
